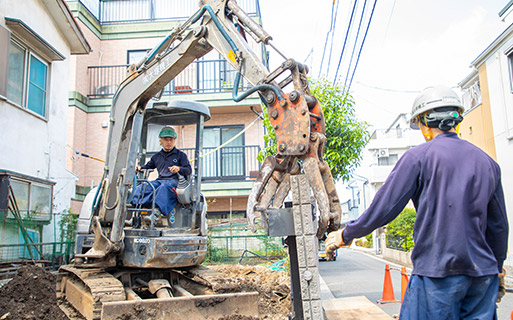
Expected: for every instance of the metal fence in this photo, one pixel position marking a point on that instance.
(244, 247)
(202, 76)
(398, 242)
(125, 11)
(49, 253)
(229, 162)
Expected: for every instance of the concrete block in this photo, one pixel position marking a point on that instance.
(294, 189)
(310, 290)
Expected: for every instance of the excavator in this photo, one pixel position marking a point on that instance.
(120, 267)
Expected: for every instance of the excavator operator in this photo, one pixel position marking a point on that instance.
(461, 229)
(169, 162)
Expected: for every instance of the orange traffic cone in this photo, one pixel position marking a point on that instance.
(388, 289)
(404, 282)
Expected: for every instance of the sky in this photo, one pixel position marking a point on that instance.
(411, 44)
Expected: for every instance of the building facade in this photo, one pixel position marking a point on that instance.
(488, 99)
(37, 39)
(121, 33)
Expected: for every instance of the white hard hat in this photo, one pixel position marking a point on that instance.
(432, 98)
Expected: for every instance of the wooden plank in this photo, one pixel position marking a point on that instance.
(353, 308)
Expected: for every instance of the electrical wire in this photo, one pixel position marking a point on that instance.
(332, 37)
(327, 36)
(345, 41)
(387, 89)
(355, 42)
(363, 42)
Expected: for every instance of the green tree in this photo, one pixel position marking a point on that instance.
(68, 225)
(403, 226)
(346, 135)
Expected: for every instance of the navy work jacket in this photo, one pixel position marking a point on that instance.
(162, 160)
(461, 226)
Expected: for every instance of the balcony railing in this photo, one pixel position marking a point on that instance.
(124, 11)
(232, 163)
(202, 76)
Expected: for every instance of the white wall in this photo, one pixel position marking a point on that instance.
(501, 102)
(29, 144)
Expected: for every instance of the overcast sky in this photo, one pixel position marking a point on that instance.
(410, 45)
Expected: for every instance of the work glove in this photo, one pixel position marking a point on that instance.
(502, 286)
(333, 242)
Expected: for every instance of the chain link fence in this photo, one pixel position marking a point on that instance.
(234, 243)
(399, 242)
(227, 243)
(49, 254)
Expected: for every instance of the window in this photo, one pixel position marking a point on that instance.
(471, 97)
(33, 198)
(388, 161)
(227, 162)
(134, 56)
(27, 79)
(509, 55)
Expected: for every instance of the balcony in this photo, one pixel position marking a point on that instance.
(202, 76)
(125, 11)
(234, 163)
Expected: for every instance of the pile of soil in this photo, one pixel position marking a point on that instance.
(30, 295)
(273, 288)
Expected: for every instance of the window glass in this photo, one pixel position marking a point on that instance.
(227, 161)
(153, 141)
(135, 56)
(15, 75)
(37, 86)
(21, 193)
(40, 199)
(388, 161)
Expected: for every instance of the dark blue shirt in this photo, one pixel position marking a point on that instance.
(162, 160)
(461, 226)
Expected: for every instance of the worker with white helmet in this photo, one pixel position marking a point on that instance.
(461, 229)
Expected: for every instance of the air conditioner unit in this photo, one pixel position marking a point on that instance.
(383, 153)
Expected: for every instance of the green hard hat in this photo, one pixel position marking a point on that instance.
(167, 132)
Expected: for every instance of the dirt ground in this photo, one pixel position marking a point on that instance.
(274, 288)
(31, 293)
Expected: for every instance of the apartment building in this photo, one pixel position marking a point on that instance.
(488, 99)
(37, 39)
(120, 34)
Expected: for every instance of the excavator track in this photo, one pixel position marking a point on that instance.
(88, 289)
(205, 294)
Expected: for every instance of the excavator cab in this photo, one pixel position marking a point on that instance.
(180, 239)
(191, 206)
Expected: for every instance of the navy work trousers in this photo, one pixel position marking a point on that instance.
(451, 298)
(165, 195)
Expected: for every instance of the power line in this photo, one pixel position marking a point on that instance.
(327, 36)
(332, 37)
(389, 20)
(363, 42)
(387, 89)
(345, 41)
(355, 42)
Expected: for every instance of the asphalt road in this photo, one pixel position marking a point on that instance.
(360, 274)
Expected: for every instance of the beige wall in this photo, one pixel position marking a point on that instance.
(477, 125)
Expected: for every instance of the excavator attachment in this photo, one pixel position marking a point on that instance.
(299, 125)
